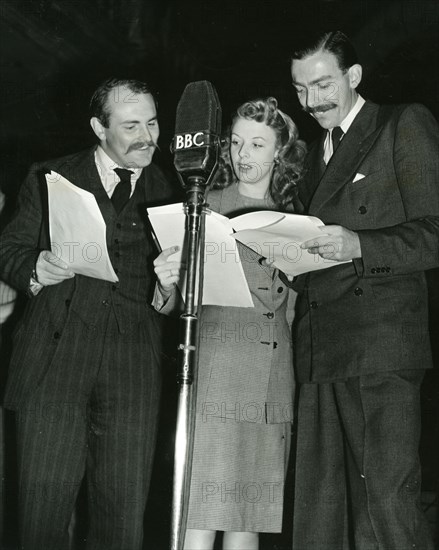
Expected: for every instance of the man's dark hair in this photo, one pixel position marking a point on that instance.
(99, 104)
(335, 42)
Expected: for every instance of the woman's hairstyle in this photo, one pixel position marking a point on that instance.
(288, 163)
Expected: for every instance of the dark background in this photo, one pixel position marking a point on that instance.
(53, 53)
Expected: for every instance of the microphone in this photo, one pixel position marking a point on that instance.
(196, 143)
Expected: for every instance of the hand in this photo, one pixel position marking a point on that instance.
(167, 271)
(51, 270)
(339, 244)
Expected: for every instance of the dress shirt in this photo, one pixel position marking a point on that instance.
(109, 178)
(347, 121)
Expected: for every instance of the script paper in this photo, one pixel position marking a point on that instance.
(278, 236)
(77, 229)
(224, 281)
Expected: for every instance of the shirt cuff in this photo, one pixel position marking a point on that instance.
(34, 287)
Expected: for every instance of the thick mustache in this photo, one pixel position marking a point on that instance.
(320, 108)
(140, 144)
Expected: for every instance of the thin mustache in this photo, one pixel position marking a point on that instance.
(321, 108)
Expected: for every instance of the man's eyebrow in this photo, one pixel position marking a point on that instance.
(316, 81)
(135, 121)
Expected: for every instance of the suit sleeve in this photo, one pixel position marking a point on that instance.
(413, 245)
(19, 241)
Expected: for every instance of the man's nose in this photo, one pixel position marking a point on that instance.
(145, 134)
(312, 97)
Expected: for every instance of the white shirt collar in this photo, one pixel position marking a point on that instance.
(345, 125)
(109, 178)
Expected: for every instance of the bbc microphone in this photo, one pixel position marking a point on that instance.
(196, 145)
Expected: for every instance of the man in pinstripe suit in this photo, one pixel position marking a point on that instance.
(84, 377)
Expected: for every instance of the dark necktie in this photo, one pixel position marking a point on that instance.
(122, 191)
(336, 136)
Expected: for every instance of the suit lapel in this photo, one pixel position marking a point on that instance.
(314, 169)
(344, 163)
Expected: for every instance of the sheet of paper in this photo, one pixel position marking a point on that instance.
(278, 236)
(77, 229)
(224, 280)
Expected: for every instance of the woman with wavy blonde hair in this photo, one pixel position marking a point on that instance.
(287, 161)
(245, 376)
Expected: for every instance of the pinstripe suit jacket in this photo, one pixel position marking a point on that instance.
(39, 338)
(383, 182)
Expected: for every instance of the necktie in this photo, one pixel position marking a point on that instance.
(336, 136)
(122, 192)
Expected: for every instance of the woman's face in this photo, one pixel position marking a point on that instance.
(252, 151)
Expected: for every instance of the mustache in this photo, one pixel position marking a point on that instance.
(139, 144)
(321, 108)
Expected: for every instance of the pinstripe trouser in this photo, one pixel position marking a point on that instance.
(99, 421)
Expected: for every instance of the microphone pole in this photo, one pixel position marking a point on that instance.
(195, 158)
(187, 364)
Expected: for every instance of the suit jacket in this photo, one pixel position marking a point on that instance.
(60, 317)
(372, 314)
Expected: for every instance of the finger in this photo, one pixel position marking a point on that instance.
(167, 266)
(46, 277)
(311, 244)
(52, 259)
(54, 270)
(314, 250)
(162, 258)
(50, 279)
(169, 251)
(50, 269)
(324, 249)
(167, 286)
(168, 275)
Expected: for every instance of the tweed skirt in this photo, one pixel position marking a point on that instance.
(238, 475)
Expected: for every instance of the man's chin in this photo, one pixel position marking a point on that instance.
(323, 119)
(140, 159)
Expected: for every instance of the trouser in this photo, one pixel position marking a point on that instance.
(103, 426)
(358, 476)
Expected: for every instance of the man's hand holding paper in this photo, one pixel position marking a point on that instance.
(338, 243)
(51, 270)
(280, 237)
(77, 233)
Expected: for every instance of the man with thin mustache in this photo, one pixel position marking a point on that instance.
(361, 338)
(85, 373)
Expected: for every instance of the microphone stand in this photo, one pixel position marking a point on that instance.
(188, 358)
